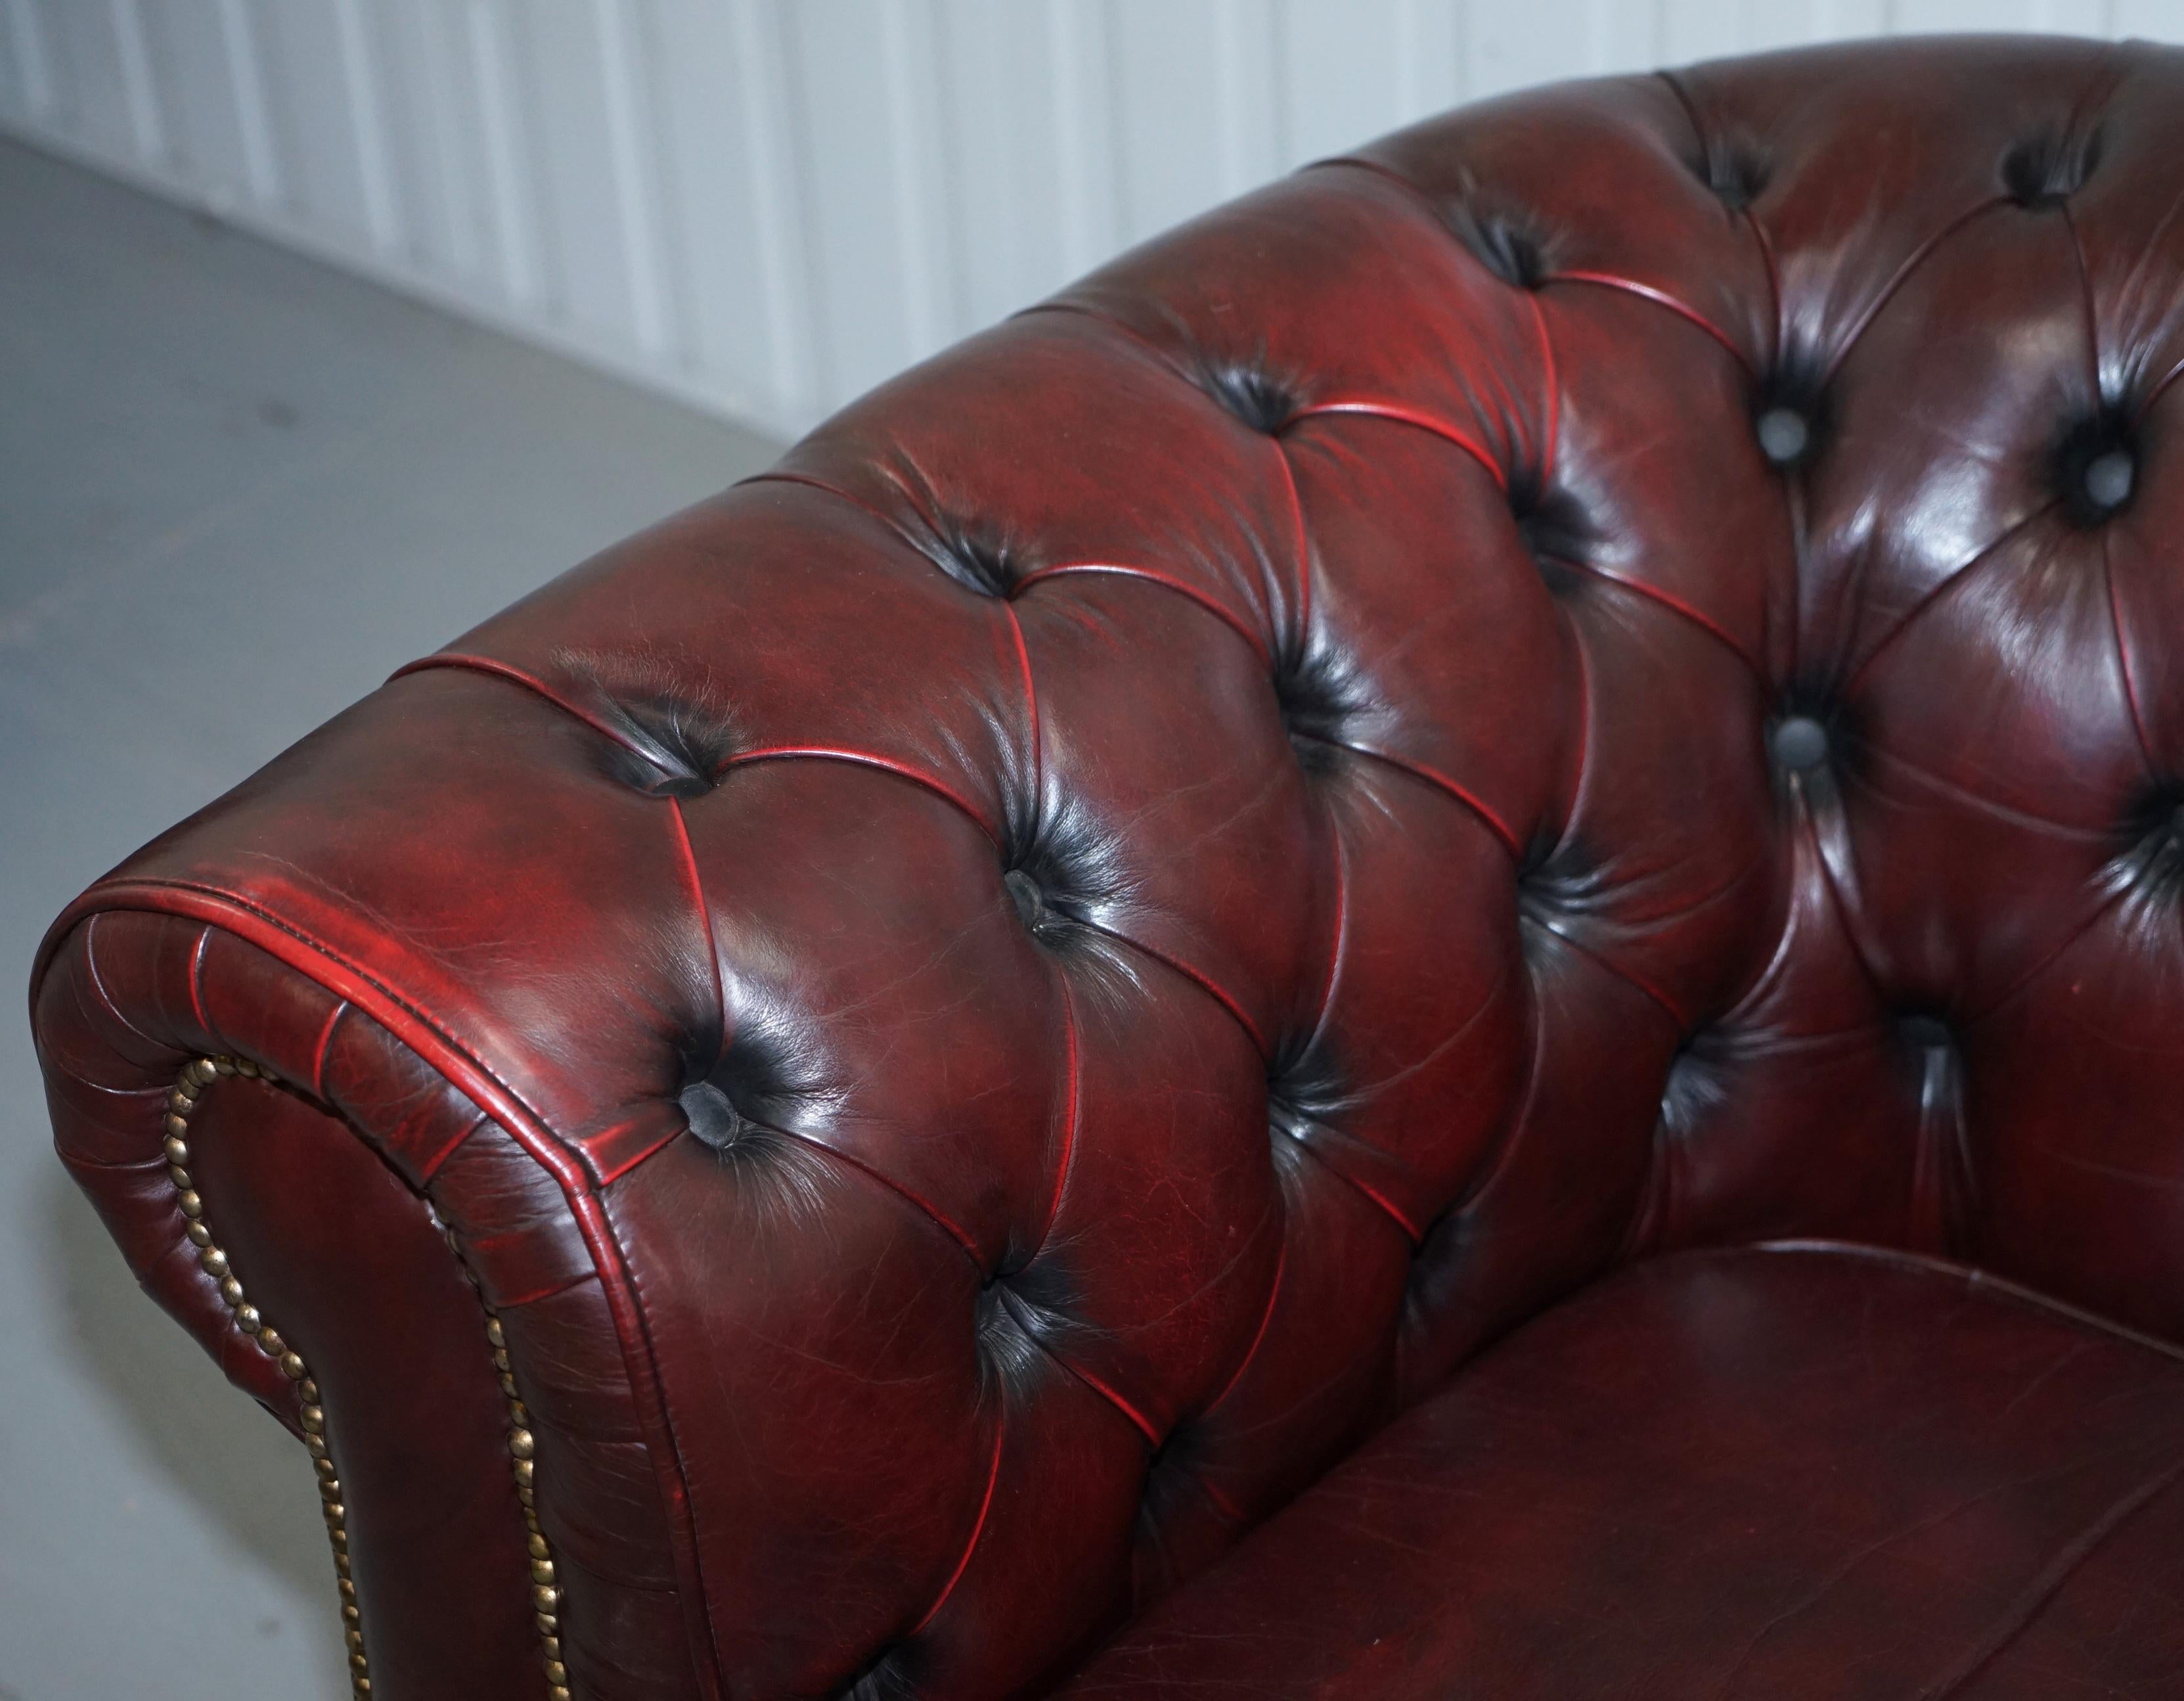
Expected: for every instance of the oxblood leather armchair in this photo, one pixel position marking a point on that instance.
(1532, 781)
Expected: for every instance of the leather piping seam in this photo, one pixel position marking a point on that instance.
(454, 1063)
(1971, 1277)
(190, 1082)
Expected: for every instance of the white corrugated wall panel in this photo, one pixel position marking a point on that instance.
(766, 206)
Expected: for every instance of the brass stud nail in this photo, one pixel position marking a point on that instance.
(549, 1625)
(501, 1359)
(182, 1099)
(494, 1333)
(556, 1671)
(508, 1384)
(521, 1443)
(524, 1470)
(523, 1492)
(539, 1550)
(530, 1520)
(552, 1645)
(546, 1598)
(542, 1570)
(557, 1693)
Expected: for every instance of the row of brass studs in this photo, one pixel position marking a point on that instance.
(545, 1587)
(194, 1078)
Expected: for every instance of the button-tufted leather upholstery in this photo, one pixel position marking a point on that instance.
(1597, 679)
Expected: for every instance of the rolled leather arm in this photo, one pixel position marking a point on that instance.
(366, 1253)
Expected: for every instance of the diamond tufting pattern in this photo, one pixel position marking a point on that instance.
(1596, 678)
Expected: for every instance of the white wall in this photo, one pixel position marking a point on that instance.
(767, 205)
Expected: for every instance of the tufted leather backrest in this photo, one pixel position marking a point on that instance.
(1599, 676)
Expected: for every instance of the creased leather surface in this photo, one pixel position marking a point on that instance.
(1794, 1474)
(1591, 680)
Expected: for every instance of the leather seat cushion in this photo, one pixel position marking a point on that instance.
(1781, 1472)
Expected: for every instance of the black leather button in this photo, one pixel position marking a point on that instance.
(977, 565)
(1735, 172)
(1505, 245)
(1924, 1033)
(2108, 478)
(1784, 435)
(2047, 170)
(1024, 894)
(713, 1118)
(1799, 742)
(1260, 400)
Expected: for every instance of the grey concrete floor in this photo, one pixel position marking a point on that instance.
(236, 490)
